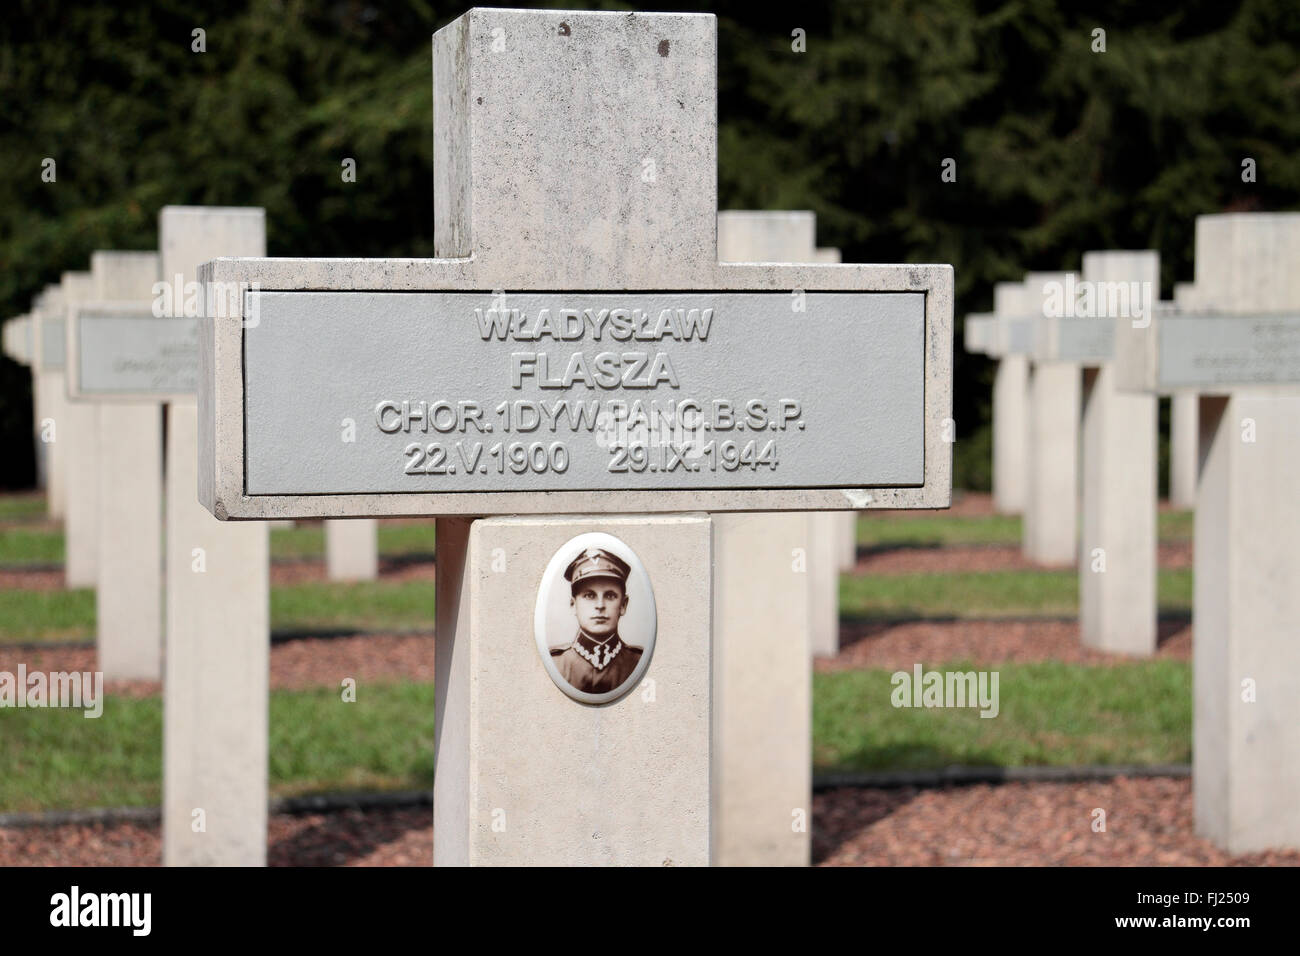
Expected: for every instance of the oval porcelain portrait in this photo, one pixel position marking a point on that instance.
(595, 619)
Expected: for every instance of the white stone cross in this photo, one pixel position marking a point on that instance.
(1237, 345)
(575, 178)
(992, 334)
(766, 620)
(1073, 331)
(126, 430)
(216, 668)
(1036, 418)
(49, 397)
(1118, 474)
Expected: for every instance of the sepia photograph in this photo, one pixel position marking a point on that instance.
(595, 619)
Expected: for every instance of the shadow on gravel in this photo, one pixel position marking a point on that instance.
(837, 821)
(337, 839)
(398, 562)
(876, 550)
(1170, 626)
(855, 629)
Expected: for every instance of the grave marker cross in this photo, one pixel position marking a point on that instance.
(575, 172)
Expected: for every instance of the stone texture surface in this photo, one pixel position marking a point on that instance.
(568, 783)
(1117, 567)
(846, 531)
(79, 431)
(762, 724)
(1051, 516)
(636, 201)
(129, 584)
(352, 549)
(217, 632)
(759, 235)
(1052, 503)
(765, 609)
(50, 400)
(1182, 450)
(1011, 412)
(1011, 434)
(823, 563)
(1246, 603)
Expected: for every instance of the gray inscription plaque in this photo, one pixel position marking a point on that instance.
(389, 392)
(1083, 339)
(1199, 351)
(1019, 335)
(134, 354)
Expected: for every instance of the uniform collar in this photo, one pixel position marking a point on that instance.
(587, 642)
(597, 653)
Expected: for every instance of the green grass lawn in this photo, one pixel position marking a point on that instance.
(988, 594)
(1050, 714)
(28, 616)
(27, 545)
(60, 759)
(46, 615)
(298, 543)
(364, 605)
(395, 540)
(1174, 526)
(22, 507)
(934, 529)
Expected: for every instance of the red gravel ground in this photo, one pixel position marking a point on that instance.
(324, 662)
(868, 644)
(21, 579)
(1148, 823)
(348, 838)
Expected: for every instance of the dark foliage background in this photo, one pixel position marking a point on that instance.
(1059, 149)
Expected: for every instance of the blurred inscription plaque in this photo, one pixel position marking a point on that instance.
(129, 354)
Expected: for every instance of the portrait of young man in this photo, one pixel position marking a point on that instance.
(598, 659)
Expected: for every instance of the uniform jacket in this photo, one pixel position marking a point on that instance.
(579, 670)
